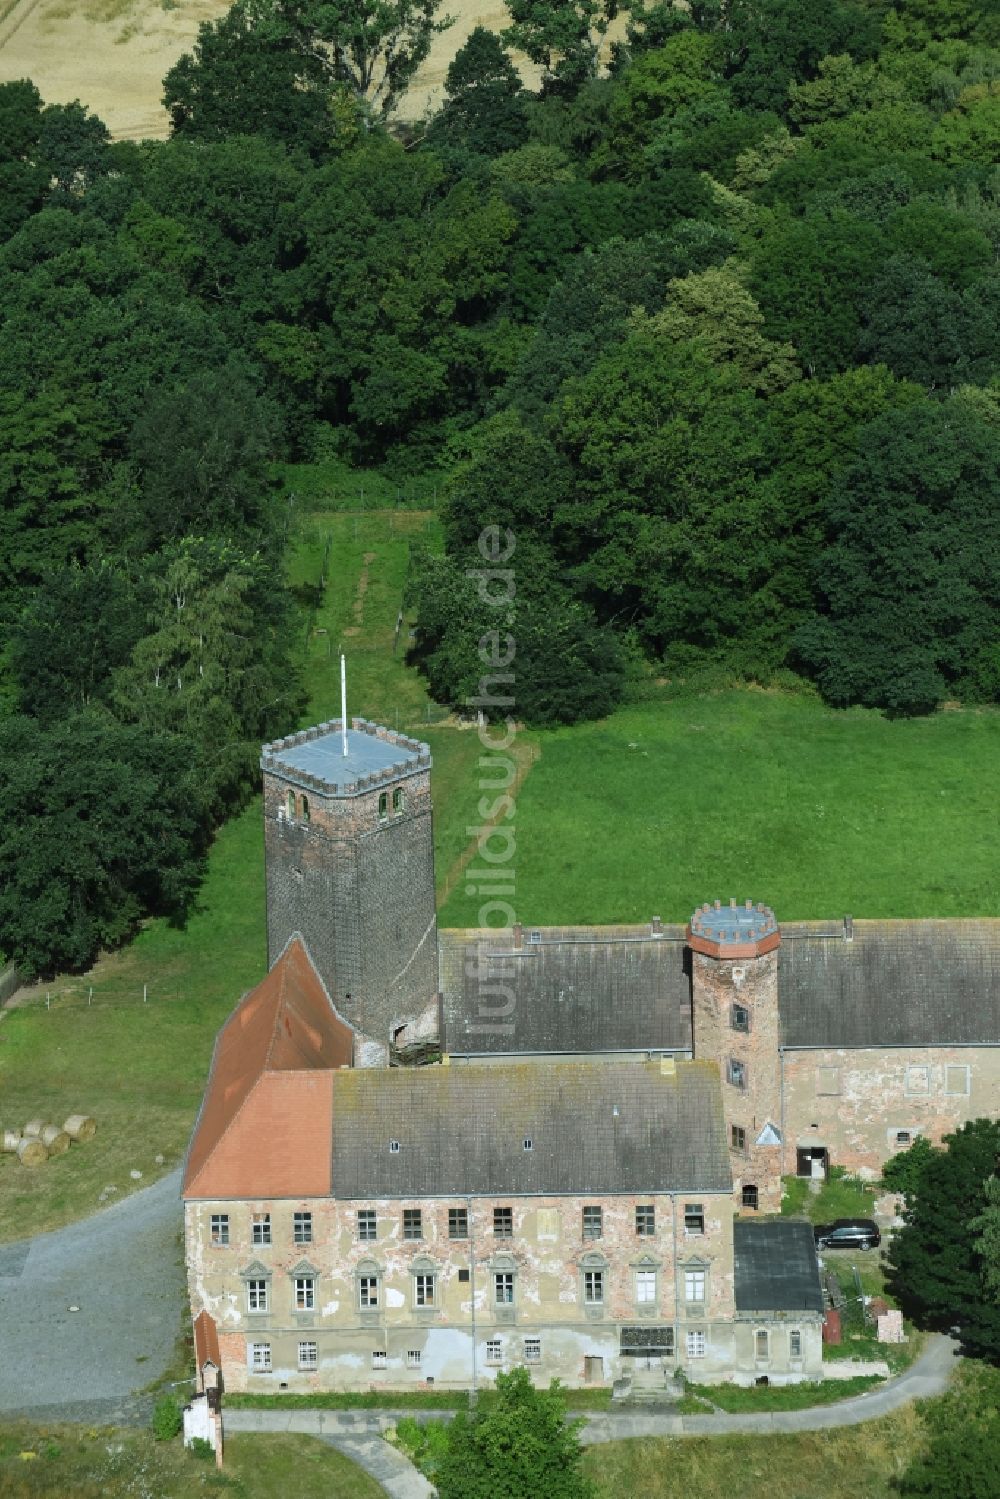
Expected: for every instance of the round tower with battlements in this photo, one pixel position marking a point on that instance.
(349, 856)
(735, 1023)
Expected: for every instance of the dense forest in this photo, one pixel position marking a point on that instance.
(710, 321)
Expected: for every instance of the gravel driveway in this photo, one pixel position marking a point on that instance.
(124, 1269)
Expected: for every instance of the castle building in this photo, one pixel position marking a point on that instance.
(585, 1177)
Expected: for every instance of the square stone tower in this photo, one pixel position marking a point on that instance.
(735, 1022)
(349, 856)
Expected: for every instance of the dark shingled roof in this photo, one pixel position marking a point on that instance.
(898, 983)
(604, 1128)
(776, 1268)
(577, 990)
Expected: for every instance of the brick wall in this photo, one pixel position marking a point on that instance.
(857, 1103)
(360, 889)
(717, 985)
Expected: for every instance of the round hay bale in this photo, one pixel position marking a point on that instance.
(33, 1128)
(80, 1127)
(31, 1151)
(9, 1141)
(55, 1140)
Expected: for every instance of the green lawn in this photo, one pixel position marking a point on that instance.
(104, 1463)
(791, 1397)
(840, 1196)
(859, 1461)
(760, 794)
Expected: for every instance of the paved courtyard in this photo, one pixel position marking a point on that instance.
(124, 1269)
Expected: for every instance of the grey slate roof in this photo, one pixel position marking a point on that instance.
(577, 990)
(461, 1130)
(776, 1268)
(898, 983)
(593, 989)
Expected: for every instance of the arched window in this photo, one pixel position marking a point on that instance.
(291, 804)
(305, 809)
(398, 799)
(383, 804)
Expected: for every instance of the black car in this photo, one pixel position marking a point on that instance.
(847, 1233)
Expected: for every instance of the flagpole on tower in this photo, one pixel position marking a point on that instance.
(343, 702)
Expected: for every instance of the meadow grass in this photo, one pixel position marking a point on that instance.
(861, 1460)
(105, 1463)
(757, 794)
(840, 1196)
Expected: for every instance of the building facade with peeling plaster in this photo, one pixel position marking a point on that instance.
(425, 1156)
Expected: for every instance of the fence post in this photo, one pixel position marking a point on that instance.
(144, 993)
(90, 995)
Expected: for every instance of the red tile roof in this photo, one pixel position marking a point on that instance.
(264, 1125)
(206, 1341)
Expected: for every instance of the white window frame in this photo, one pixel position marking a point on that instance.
(259, 1361)
(494, 1351)
(794, 1338)
(219, 1229)
(695, 1286)
(593, 1286)
(694, 1210)
(645, 1283)
(533, 1350)
(503, 1287)
(302, 1227)
(305, 1293)
(696, 1343)
(424, 1289)
(367, 1226)
(592, 1221)
(258, 1290)
(645, 1226)
(380, 1359)
(369, 1285)
(308, 1360)
(413, 1358)
(260, 1228)
(761, 1337)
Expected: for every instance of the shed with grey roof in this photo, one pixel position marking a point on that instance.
(776, 1267)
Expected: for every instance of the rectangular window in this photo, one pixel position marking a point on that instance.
(379, 1358)
(593, 1287)
(412, 1224)
(220, 1228)
(494, 1350)
(413, 1358)
(256, 1295)
(367, 1226)
(827, 1080)
(503, 1223)
(695, 1343)
(903, 1138)
(503, 1288)
(367, 1292)
(694, 1218)
(918, 1080)
(423, 1290)
(956, 1079)
(645, 1221)
(645, 1287)
(305, 1293)
(750, 1196)
(260, 1358)
(738, 1138)
(308, 1356)
(739, 1018)
(593, 1222)
(260, 1225)
(795, 1344)
(694, 1286)
(458, 1223)
(302, 1227)
(463, 1277)
(760, 1343)
(737, 1073)
(532, 1350)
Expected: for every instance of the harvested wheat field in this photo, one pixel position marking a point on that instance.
(112, 54)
